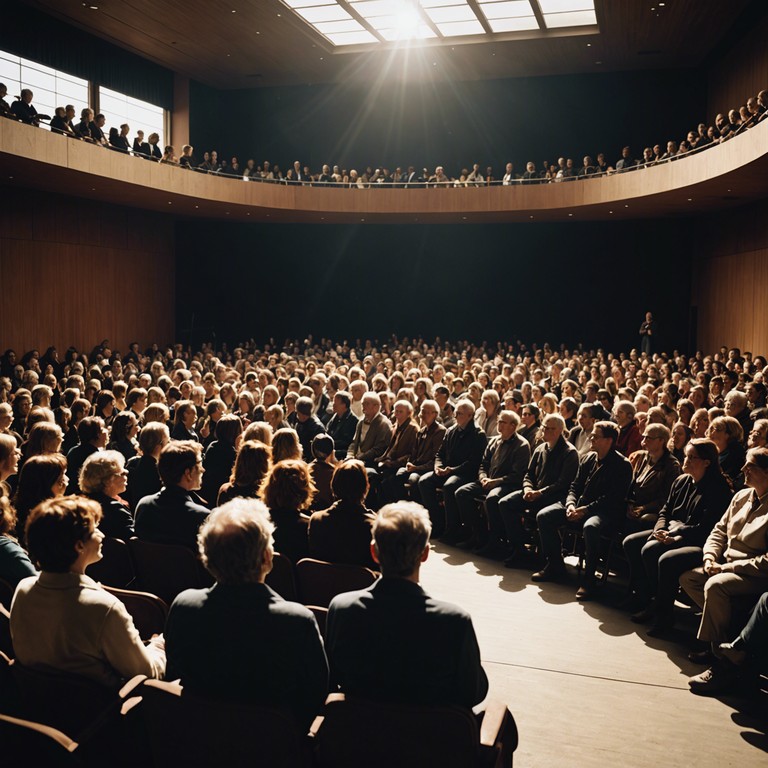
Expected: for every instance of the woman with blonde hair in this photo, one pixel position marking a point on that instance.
(726, 433)
(286, 445)
(103, 478)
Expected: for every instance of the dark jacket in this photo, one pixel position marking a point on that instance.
(116, 517)
(75, 460)
(342, 430)
(172, 516)
(505, 460)
(243, 642)
(462, 450)
(651, 482)
(692, 509)
(291, 533)
(218, 462)
(143, 479)
(401, 445)
(342, 534)
(552, 471)
(601, 486)
(307, 431)
(395, 643)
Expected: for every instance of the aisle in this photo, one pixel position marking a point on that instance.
(586, 686)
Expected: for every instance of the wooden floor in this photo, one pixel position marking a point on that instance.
(586, 686)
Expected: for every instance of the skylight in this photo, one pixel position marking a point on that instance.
(377, 22)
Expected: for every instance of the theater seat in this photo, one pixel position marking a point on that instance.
(354, 732)
(281, 577)
(191, 731)
(166, 569)
(319, 582)
(115, 569)
(148, 611)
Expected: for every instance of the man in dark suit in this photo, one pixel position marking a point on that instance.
(23, 109)
(174, 514)
(343, 423)
(596, 503)
(239, 640)
(308, 426)
(141, 148)
(392, 641)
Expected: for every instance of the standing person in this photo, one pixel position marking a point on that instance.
(647, 332)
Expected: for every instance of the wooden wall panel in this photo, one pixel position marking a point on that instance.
(75, 271)
(730, 280)
(739, 73)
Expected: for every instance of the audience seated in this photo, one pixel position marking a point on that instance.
(174, 514)
(322, 468)
(372, 433)
(92, 435)
(88, 631)
(43, 477)
(342, 533)
(143, 477)
(239, 640)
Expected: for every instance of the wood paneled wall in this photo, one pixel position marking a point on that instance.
(75, 271)
(730, 280)
(739, 72)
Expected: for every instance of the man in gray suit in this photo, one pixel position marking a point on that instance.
(372, 434)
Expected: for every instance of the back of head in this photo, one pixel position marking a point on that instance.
(89, 429)
(228, 429)
(234, 541)
(400, 535)
(350, 481)
(55, 526)
(176, 458)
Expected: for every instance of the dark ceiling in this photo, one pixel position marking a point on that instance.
(253, 43)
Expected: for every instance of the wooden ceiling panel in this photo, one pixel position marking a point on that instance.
(253, 43)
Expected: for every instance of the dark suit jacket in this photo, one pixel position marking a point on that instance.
(291, 533)
(552, 471)
(172, 516)
(401, 445)
(143, 479)
(393, 642)
(307, 431)
(116, 520)
(342, 534)
(506, 461)
(245, 643)
(602, 486)
(141, 148)
(218, 462)
(75, 460)
(462, 450)
(342, 430)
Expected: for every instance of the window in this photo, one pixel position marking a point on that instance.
(51, 88)
(140, 115)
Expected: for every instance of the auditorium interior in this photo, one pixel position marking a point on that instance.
(102, 245)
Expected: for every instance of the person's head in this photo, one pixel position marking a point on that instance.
(62, 536)
(304, 406)
(428, 412)
(403, 411)
(700, 422)
(286, 445)
(103, 472)
(181, 463)
(288, 486)
(235, 542)
(371, 405)
(342, 401)
(9, 457)
(507, 424)
(735, 402)
(586, 417)
(185, 414)
(553, 426)
(350, 481)
(44, 437)
(624, 413)
(758, 435)
(124, 427)
(700, 459)
(92, 431)
(322, 447)
(229, 430)
(655, 439)
(604, 435)
(756, 470)
(724, 430)
(154, 436)
(253, 462)
(41, 477)
(490, 401)
(401, 539)
(679, 436)
(465, 412)
(136, 399)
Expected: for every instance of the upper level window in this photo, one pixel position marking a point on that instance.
(140, 115)
(51, 88)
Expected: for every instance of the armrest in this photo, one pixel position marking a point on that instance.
(493, 718)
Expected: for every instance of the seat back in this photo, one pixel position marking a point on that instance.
(25, 742)
(321, 616)
(115, 569)
(148, 611)
(319, 582)
(166, 569)
(281, 578)
(188, 730)
(378, 735)
(65, 702)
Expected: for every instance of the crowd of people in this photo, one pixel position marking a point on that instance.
(507, 451)
(91, 128)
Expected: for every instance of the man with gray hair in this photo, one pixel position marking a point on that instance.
(239, 640)
(392, 641)
(372, 433)
(456, 464)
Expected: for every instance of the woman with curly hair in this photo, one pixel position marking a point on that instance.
(288, 491)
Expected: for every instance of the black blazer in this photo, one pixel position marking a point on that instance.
(171, 516)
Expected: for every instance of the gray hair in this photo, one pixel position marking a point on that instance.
(400, 535)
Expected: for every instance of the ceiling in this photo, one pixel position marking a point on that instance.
(259, 43)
